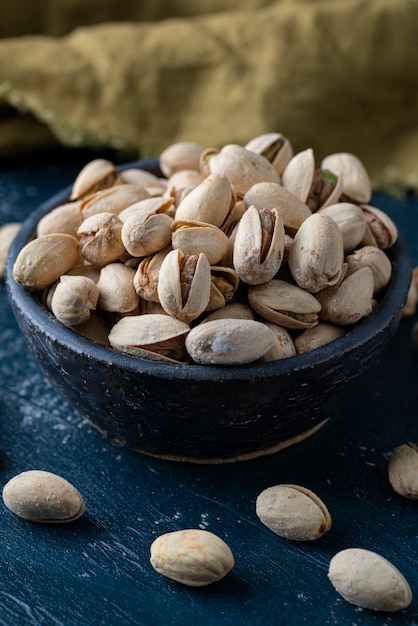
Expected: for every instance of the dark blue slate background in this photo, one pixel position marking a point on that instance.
(96, 571)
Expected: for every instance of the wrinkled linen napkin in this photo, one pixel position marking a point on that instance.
(334, 76)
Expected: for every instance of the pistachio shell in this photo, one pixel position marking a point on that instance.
(116, 288)
(95, 175)
(183, 179)
(355, 179)
(224, 284)
(349, 301)
(113, 200)
(210, 202)
(142, 178)
(146, 276)
(350, 220)
(200, 237)
(377, 260)
(275, 147)
(63, 219)
(7, 233)
(403, 470)
(147, 235)
(384, 229)
(320, 335)
(273, 196)
(73, 299)
(101, 239)
(234, 310)
(298, 174)
(182, 155)
(283, 346)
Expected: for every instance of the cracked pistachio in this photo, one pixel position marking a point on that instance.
(356, 185)
(376, 259)
(368, 580)
(101, 239)
(403, 470)
(273, 196)
(259, 245)
(275, 147)
(116, 288)
(228, 342)
(224, 284)
(382, 230)
(96, 175)
(316, 257)
(141, 178)
(149, 206)
(293, 512)
(65, 218)
(350, 220)
(146, 233)
(73, 299)
(320, 335)
(112, 200)
(44, 259)
(284, 304)
(283, 346)
(146, 276)
(184, 284)
(39, 496)
(350, 300)
(211, 201)
(7, 233)
(200, 237)
(153, 336)
(192, 557)
(182, 155)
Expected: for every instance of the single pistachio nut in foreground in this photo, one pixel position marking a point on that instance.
(193, 557)
(403, 470)
(95, 175)
(369, 581)
(40, 496)
(293, 512)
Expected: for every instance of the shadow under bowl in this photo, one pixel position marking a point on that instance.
(193, 412)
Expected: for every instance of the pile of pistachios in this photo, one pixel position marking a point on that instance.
(234, 255)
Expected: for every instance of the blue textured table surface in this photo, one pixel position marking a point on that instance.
(97, 571)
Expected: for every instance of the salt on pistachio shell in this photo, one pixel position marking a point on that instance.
(193, 557)
(113, 200)
(284, 304)
(73, 299)
(320, 335)
(275, 147)
(228, 342)
(350, 220)
(317, 253)
(369, 581)
(350, 300)
(40, 496)
(153, 336)
(376, 259)
(200, 237)
(65, 218)
(293, 512)
(403, 470)
(274, 196)
(95, 175)
(184, 284)
(211, 201)
(259, 245)
(383, 229)
(116, 288)
(7, 233)
(283, 346)
(355, 179)
(44, 259)
(101, 239)
(182, 155)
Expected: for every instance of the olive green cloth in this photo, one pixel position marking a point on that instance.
(331, 75)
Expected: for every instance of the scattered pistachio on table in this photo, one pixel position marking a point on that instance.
(7, 233)
(294, 242)
(403, 470)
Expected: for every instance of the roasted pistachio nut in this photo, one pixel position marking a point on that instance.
(95, 175)
(116, 288)
(152, 336)
(7, 233)
(39, 496)
(101, 239)
(283, 346)
(184, 284)
(259, 245)
(403, 470)
(382, 227)
(193, 557)
(369, 581)
(228, 342)
(113, 200)
(355, 179)
(141, 178)
(145, 235)
(320, 335)
(73, 299)
(376, 259)
(211, 201)
(182, 155)
(44, 259)
(65, 218)
(224, 284)
(234, 310)
(275, 147)
(200, 237)
(183, 179)
(350, 220)
(293, 512)
(95, 329)
(350, 300)
(148, 207)
(284, 304)
(273, 196)
(316, 256)
(243, 167)
(147, 273)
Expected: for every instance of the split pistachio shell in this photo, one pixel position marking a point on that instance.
(320, 335)
(7, 233)
(224, 284)
(116, 288)
(200, 237)
(73, 299)
(210, 202)
(243, 167)
(184, 284)
(192, 557)
(275, 147)
(182, 155)
(403, 470)
(382, 227)
(259, 245)
(317, 254)
(95, 175)
(113, 200)
(44, 259)
(273, 196)
(63, 219)
(350, 220)
(147, 273)
(284, 304)
(369, 581)
(101, 239)
(143, 235)
(153, 336)
(148, 207)
(283, 346)
(355, 179)
(376, 259)
(39, 496)
(228, 342)
(349, 301)
(293, 512)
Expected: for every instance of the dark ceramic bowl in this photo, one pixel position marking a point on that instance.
(202, 413)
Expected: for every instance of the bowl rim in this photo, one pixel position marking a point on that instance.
(27, 304)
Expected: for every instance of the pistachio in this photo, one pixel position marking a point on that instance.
(318, 336)
(144, 234)
(200, 237)
(228, 342)
(95, 175)
(284, 304)
(43, 260)
(39, 496)
(350, 300)
(317, 254)
(356, 185)
(184, 284)
(224, 284)
(149, 206)
(273, 196)
(211, 201)
(369, 581)
(382, 227)
(152, 336)
(113, 200)
(234, 310)
(183, 179)
(63, 219)
(283, 346)
(146, 276)
(350, 220)
(293, 512)
(410, 307)
(193, 557)
(95, 329)
(376, 259)
(7, 233)
(73, 299)
(182, 155)
(101, 239)
(403, 470)
(153, 185)
(116, 288)
(275, 147)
